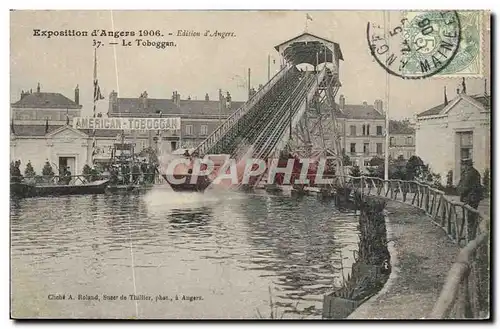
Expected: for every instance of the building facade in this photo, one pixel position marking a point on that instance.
(453, 131)
(199, 118)
(40, 131)
(401, 139)
(362, 131)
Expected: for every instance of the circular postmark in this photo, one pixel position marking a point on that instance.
(418, 46)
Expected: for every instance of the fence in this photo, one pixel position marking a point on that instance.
(465, 293)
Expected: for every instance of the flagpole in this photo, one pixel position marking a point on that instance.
(94, 83)
(387, 123)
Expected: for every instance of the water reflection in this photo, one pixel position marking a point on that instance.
(229, 247)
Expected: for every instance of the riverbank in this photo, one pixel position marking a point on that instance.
(421, 256)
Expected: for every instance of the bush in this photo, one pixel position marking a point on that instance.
(47, 170)
(377, 161)
(29, 172)
(355, 171)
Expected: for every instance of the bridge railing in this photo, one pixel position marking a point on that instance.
(236, 115)
(465, 293)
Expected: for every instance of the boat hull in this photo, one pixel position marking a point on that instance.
(26, 190)
(200, 183)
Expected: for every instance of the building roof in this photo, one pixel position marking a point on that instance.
(356, 111)
(34, 130)
(400, 128)
(298, 51)
(168, 107)
(484, 100)
(352, 111)
(45, 100)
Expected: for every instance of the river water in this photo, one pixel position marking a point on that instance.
(214, 255)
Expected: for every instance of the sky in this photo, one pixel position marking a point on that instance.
(198, 65)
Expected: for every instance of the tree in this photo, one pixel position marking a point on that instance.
(346, 161)
(355, 171)
(29, 172)
(377, 161)
(413, 167)
(47, 170)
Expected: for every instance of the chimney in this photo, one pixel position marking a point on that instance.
(144, 97)
(222, 100)
(177, 99)
(207, 98)
(342, 102)
(445, 97)
(23, 94)
(379, 106)
(228, 100)
(174, 96)
(38, 88)
(113, 102)
(77, 95)
(189, 98)
(365, 104)
(464, 87)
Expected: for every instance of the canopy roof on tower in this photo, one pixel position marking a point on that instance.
(305, 47)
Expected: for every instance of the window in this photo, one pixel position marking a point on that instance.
(189, 129)
(364, 130)
(368, 129)
(353, 130)
(353, 148)
(367, 163)
(379, 148)
(173, 146)
(204, 130)
(366, 148)
(391, 141)
(409, 140)
(379, 130)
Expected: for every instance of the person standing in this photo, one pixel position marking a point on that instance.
(470, 187)
(67, 176)
(16, 176)
(470, 190)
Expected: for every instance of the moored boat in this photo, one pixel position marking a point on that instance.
(191, 183)
(24, 190)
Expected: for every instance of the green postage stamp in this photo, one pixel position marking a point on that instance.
(422, 44)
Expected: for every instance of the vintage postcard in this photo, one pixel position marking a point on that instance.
(250, 164)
